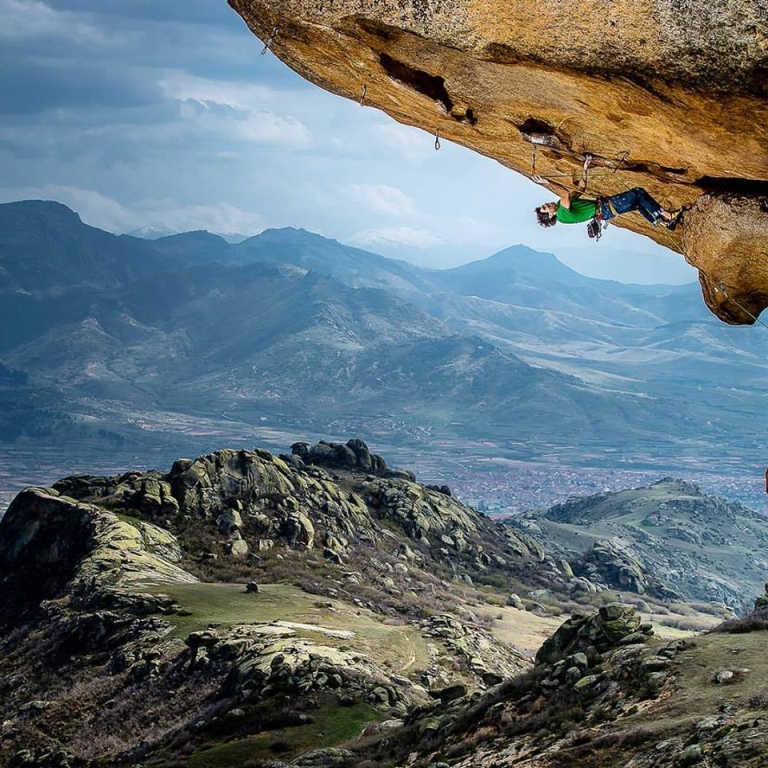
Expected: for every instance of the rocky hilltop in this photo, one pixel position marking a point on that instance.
(233, 584)
(317, 608)
(669, 96)
(668, 540)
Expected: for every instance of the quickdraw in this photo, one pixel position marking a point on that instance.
(270, 40)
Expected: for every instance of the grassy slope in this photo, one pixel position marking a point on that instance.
(741, 706)
(397, 646)
(331, 725)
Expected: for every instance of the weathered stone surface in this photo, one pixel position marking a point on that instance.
(292, 666)
(45, 758)
(599, 631)
(326, 758)
(449, 693)
(475, 647)
(761, 603)
(49, 543)
(354, 454)
(609, 563)
(666, 95)
(299, 531)
(229, 521)
(238, 548)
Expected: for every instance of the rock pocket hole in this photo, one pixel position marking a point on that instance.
(431, 86)
(539, 132)
(736, 186)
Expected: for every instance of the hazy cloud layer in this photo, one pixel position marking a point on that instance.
(165, 115)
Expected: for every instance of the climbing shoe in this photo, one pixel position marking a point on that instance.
(674, 221)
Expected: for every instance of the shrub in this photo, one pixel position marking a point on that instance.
(752, 622)
(759, 702)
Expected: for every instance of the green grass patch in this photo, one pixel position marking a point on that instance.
(229, 604)
(398, 646)
(332, 726)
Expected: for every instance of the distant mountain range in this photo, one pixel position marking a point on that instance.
(155, 233)
(302, 332)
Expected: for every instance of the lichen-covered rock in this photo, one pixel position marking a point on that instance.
(298, 530)
(51, 543)
(326, 758)
(761, 603)
(421, 512)
(229, 521)
(354, 454)
(270, 667)
(613, 565)
(669, 96)
(45, 758)
(598, 631)
(475, 648)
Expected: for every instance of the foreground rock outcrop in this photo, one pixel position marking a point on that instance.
(669, 96)
(246, 609)
(149, 610)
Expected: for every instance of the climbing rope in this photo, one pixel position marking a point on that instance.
(437, 138)
(720, 287)
(362, 95)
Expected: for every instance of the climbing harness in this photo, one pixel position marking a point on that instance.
(437, 138)
(270, 40)
(596, 226)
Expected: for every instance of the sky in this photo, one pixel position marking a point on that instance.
(165, 115)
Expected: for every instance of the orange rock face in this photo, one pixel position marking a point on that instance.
(670, 95)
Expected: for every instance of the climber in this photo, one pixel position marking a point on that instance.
(572, 208)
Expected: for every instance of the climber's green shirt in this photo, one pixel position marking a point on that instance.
(581, 210)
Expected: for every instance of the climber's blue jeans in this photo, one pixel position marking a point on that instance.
(636, 199)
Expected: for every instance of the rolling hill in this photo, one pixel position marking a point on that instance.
(302, 331)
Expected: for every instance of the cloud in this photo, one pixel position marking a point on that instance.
(383, 199)
(66, 89)
(182, 86)
(397, 237)
(190, 11)
(94, 208)
(29, 19)
(254, 126)
(465, 229)
(106, 213)
(220, 217)
(240, 111)
(412, 143)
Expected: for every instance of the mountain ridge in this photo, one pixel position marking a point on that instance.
(668, 538)
(186, 324)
